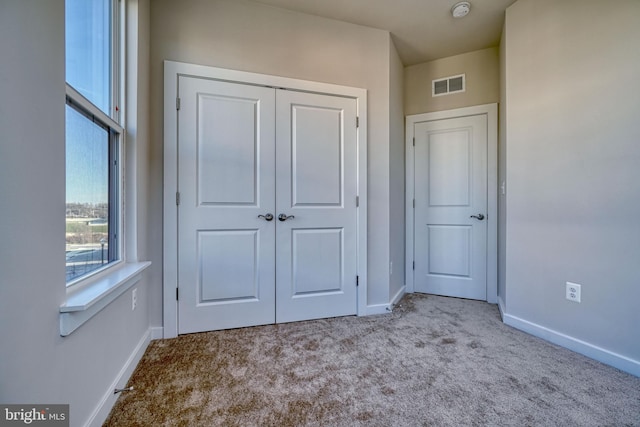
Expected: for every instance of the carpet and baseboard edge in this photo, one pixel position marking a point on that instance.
(587, 349)
(374, 309)
(102, 410)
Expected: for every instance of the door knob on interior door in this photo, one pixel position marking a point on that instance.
(267, 217)
(284, 217)
(478, 217)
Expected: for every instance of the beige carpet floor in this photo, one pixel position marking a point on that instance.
(434, 361)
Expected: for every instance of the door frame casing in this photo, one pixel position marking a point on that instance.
(491, 112)
(172, 72)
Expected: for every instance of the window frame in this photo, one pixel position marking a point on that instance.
(92, 293)
(113, 123)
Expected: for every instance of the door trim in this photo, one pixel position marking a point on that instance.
(172, 71)
(491, 112)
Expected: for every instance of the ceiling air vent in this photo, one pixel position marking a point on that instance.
(448, 85)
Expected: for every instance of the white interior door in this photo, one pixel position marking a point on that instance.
(451, 207)
(316, 192)
(247, 154)
(226, 151)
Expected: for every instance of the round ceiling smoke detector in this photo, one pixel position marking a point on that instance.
(460, 9)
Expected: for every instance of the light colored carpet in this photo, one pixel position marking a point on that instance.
(434, 361)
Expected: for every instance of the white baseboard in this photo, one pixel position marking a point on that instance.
(103, 409)
(374, 309)
(594, 352)
(398, 295)
(157, 332)
(378, 309)
(501, 307)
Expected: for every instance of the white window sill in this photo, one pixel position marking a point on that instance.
(88, 301)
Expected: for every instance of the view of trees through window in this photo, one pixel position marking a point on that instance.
(87, 237)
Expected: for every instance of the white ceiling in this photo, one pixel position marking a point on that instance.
(422, 30)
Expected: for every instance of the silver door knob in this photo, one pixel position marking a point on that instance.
(267, 217)
(284, 217)
(478, 217)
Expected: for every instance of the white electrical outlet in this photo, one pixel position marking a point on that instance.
(134, 299)
(573, 291)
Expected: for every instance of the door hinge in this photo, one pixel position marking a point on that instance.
(357, 281)
(414, 203)
(414, 141)
(177, 103)
(357, 121)
(414, 265)
(177, 198)
(357, 201)
(177, 294)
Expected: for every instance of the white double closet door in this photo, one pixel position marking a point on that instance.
(248, 155)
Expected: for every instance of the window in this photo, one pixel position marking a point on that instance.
(93, 138)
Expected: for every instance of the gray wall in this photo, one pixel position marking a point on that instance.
(573, 150)
(396, 173)
(252, 37)
(37, 365)
(482, 82)
(502, 178)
